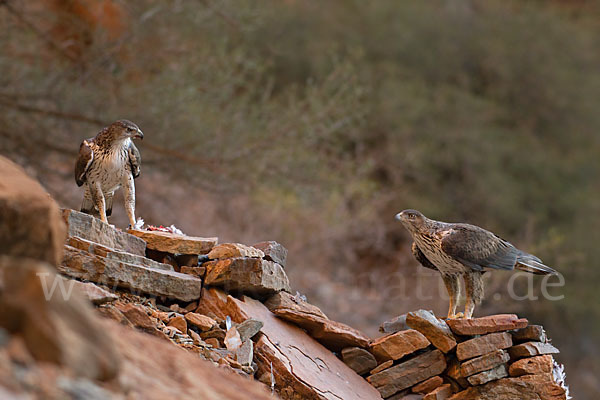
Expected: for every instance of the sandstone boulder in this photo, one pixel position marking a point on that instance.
(82, 265)
(408, 373)
(253, 276)
(59, 326)
(273, 251)
(30, 222)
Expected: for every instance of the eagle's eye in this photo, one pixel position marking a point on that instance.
(412, 216)
(129, 129)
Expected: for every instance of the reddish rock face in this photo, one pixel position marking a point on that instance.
(398, 345)
(484, 325)
(30, 221)
(482, 345)
(531, 366)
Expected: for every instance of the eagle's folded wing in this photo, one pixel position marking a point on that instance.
(135, 160)
(478, 248)
(84, 160)
(421, 258)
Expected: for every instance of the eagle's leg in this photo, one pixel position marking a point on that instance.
(453, 287)
(98, 198)
(129, 189)
(474, 289)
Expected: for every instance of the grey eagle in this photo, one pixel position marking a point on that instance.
(107, 162)
(465, 250)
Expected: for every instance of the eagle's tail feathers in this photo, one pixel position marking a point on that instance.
(534, 267)
(87, 206)
(108, 198)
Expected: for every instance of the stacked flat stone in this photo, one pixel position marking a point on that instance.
(494, 357)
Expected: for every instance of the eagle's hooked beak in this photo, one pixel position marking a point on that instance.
(399, 216)
(139, 134)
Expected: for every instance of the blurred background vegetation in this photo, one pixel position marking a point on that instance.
(313, 123)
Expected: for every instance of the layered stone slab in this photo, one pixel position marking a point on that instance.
(493, 374)
(82, 265)
(252, 276)
(484, 325)
(441, 393)
(483, 363)
(534, 333)
(93, 229)
(274, 251)
(394, 325)
(398, 345)
(173, 243)
(234, 250)
(384, 365)
(360, 360)
(531, 349)
(408, 373)
(107, 252)
(301, 366)
(30, 221)
(428, 385)
(482, 345)
(532, 366)
(434, 329)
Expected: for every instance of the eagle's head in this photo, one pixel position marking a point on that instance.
(412, 220)
(124, 129)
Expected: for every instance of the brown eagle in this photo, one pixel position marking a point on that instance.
(464, 250)
(107, 162)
